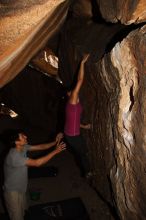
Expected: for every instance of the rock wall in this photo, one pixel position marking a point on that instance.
(126, 12)
(109, 94)
(118, 134)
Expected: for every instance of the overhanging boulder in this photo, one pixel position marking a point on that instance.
(25, 29)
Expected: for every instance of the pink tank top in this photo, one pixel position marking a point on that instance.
(72, 119)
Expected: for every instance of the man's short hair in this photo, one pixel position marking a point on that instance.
(12, 135)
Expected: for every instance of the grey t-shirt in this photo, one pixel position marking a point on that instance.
(15, 170)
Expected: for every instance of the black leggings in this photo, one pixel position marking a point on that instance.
(77, 146)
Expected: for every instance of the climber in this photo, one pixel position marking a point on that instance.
(72, 127)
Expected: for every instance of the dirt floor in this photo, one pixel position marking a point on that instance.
(68, 184)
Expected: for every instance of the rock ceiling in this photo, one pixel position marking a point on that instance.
(26, 26)
(25, 29)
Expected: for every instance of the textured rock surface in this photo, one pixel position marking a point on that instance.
(46, 62)
(119, 124)
(17, 19)
(126, 12)
(25, 28)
